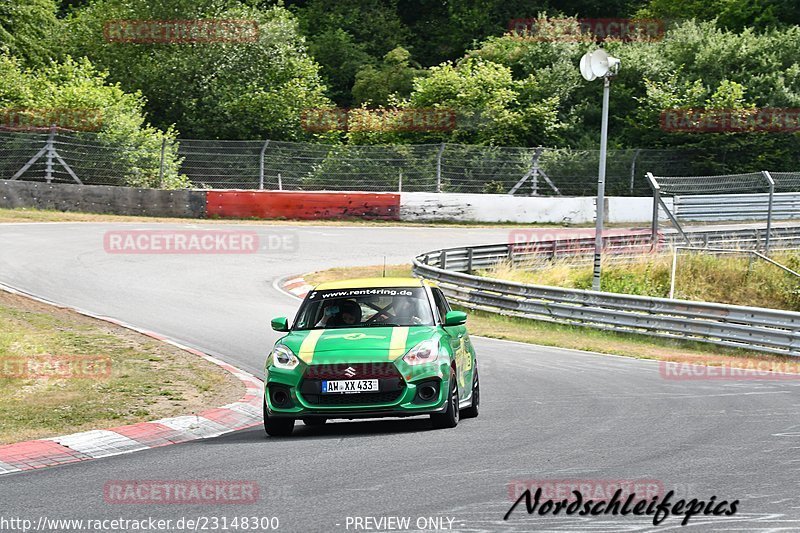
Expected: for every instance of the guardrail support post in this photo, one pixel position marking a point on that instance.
(443, 260)
(469, 260)
(771, 182)
(672, 272)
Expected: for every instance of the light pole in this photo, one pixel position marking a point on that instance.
(599, 64)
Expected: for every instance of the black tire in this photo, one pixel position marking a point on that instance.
(474, 407)
(449, 418)
(277, 427)
(315, 421)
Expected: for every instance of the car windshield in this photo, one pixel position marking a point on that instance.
(366, 307)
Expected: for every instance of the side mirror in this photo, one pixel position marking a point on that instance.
(280, 324)
(455, 318)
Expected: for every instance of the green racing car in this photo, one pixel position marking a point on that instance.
(369, 348)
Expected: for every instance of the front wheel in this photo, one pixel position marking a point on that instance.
(277, 427)
(449, 418)
(472, 410)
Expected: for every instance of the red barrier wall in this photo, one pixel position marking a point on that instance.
(302, 205)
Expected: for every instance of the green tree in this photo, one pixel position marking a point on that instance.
(26, 28)
(229, 90)
(348, 35)
(392, 79)
(490, 107)
(728, 14)
(77, 85)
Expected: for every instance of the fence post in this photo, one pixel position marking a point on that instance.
(535, 171)
(261, 166)
(656, 199)
(633, 167)
(771, 182)
(49, 154)
(439, 168)
(400, 182)
(280, 182)
(161, 164)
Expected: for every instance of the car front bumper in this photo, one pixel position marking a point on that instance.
(399, 395)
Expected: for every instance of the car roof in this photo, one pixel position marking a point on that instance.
(372, 283)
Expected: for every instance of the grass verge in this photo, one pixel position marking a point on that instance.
(736, 279)
(510, 328)
(62, 372)
(37, 215)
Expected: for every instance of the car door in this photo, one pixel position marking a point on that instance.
(459, 345)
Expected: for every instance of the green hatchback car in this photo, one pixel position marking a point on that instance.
(369, 348)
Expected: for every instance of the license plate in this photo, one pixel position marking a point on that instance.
(349, 386)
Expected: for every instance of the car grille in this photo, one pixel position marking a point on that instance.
(359, 371)
(368, 398)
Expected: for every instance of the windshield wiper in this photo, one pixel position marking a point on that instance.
(382, 324)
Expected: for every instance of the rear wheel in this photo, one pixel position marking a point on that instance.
(449, 418)
(314, 421)
(472, 410)
(277, 427)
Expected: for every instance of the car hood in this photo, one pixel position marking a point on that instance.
(356, 344)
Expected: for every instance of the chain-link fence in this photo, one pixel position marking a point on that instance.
(91, 158)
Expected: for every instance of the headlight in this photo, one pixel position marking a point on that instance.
(283, 357)
(424, 352)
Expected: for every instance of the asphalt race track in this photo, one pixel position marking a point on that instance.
(546, 413)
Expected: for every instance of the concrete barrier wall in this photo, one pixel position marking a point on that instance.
(102, 199)
(320, 205)
(522, 209)
(303, 205)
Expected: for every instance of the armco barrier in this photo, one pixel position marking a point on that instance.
(302, 205)
(754, 328)
(712, 207)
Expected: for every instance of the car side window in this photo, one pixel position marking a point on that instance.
(441, 303)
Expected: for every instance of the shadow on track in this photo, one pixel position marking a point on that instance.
(336, 429)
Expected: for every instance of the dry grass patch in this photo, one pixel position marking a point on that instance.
(61, 372)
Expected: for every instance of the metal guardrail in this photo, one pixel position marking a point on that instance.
(754, 328)
(712, 207)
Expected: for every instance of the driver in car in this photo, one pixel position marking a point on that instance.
(403, 311)
(338, 314)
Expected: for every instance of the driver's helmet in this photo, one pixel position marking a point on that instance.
(351, 308)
